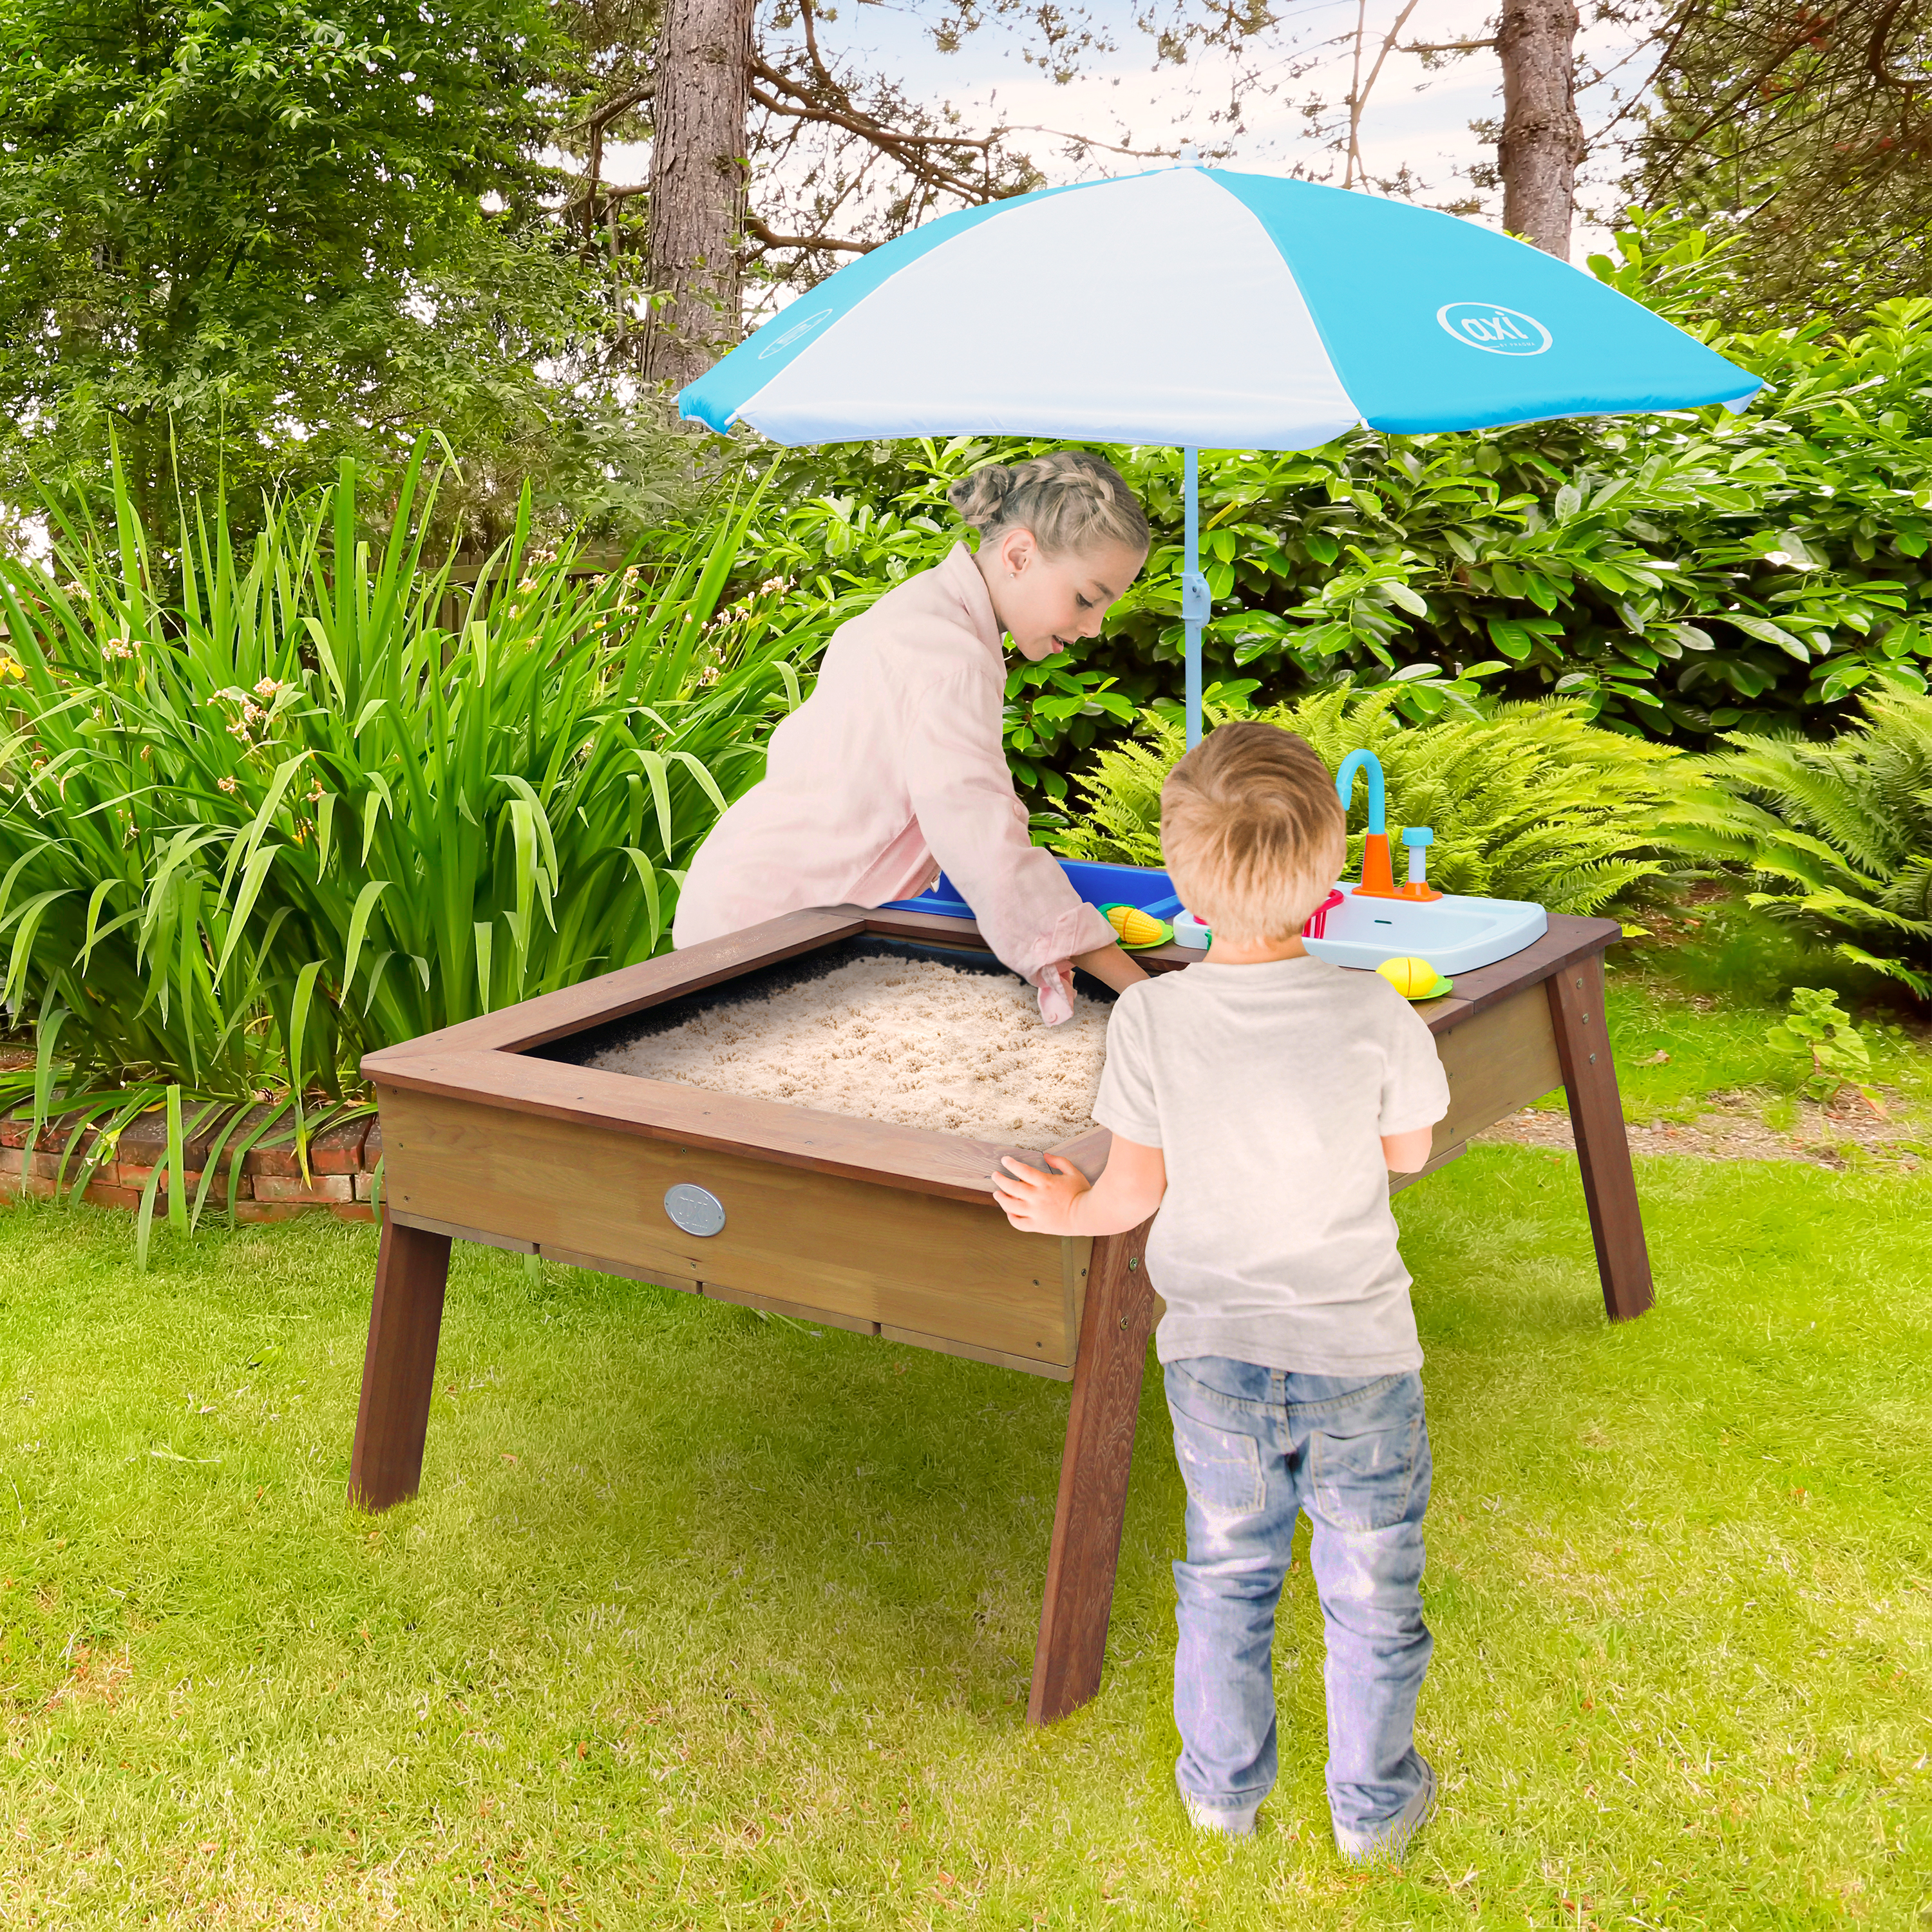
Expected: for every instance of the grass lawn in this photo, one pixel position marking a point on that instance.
(1689, 1003)
(705, 1621)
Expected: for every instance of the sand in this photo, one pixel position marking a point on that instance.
(911, 1041)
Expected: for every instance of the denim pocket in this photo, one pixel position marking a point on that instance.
(1364, 1478)
(1221, 1467)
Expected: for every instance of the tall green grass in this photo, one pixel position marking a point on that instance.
(261, 811)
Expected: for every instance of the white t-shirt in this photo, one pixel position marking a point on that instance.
(1268, 1088)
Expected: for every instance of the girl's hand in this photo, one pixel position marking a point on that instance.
(1037, 1203)
(1056, 995)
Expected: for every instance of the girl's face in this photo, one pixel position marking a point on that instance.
(1049, 604)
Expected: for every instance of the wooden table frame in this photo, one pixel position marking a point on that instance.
(1508, 1034)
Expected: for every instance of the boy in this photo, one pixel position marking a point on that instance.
(1259, 1100)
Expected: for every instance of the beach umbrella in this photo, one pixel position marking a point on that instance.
(1209, 309)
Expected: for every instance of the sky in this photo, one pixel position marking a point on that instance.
(1415, 118)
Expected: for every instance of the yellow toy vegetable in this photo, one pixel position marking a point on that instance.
(1414, 978)
(1137, 930)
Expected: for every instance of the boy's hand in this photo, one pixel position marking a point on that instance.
(1037, 1203)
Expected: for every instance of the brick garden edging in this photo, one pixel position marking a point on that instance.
(341, 1164)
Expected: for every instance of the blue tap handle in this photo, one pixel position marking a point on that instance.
(1345, 786)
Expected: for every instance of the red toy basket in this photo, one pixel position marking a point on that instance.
(1317, 927)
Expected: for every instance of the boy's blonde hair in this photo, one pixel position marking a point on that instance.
(1072, 500)
(1254, 834)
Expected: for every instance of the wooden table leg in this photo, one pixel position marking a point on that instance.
(1118, 1319)
(399, 1368)
(1602, 1147)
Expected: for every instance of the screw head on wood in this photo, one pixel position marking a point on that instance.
(1133, 1262)
(1123, 1322)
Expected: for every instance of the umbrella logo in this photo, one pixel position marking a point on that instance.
(797, 332)
(1496, 331)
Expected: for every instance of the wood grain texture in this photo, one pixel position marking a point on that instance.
(818, 1242)
(1497, 1060)
(625, 1270)
(795, 1311)
(938, 1345)
(1088, 1153)
(1094, 1470)
(1076, 1259)
(456, 1231)
(399, 1366)
(1575, 996)
(510, 1088)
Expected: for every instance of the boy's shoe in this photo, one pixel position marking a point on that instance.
(1223, 1824)
(1391, 1840)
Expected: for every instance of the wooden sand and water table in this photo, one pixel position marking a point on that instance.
(523, 1130)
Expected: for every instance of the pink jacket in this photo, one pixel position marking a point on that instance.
(890, 771)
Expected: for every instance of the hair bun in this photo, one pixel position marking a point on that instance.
(979, 497)
(1070, 499)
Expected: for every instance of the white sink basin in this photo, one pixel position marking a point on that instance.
(1455, 935)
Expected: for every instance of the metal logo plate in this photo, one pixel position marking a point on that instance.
(694, 1209)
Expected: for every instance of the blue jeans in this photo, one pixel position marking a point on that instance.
(1255, 1444)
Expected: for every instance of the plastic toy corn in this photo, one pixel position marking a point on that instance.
(1137, 929)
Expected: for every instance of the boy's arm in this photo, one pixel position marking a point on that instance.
(1414, 1087)
(1128, 1190)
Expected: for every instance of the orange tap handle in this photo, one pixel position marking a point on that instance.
(1378, 876)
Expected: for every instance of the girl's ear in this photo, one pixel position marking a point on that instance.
(1017, 550)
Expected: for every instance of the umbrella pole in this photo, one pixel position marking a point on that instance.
(1196, 604)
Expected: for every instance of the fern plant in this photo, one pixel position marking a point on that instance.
(1532, 803)
(1843, 828)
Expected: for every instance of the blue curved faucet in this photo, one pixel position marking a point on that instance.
(1345, 786)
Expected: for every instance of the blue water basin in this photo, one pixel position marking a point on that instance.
(1153, 891)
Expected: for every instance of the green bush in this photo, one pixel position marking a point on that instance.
(294, 809)
(1534, 803)
(1844, 829)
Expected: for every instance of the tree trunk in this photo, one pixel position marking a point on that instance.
(698, 185)
(1543, 139)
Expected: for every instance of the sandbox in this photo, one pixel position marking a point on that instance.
(882, 1031)
(507, 1130)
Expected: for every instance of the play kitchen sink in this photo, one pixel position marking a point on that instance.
(1453, 935)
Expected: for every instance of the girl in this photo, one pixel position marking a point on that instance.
(893, 770)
